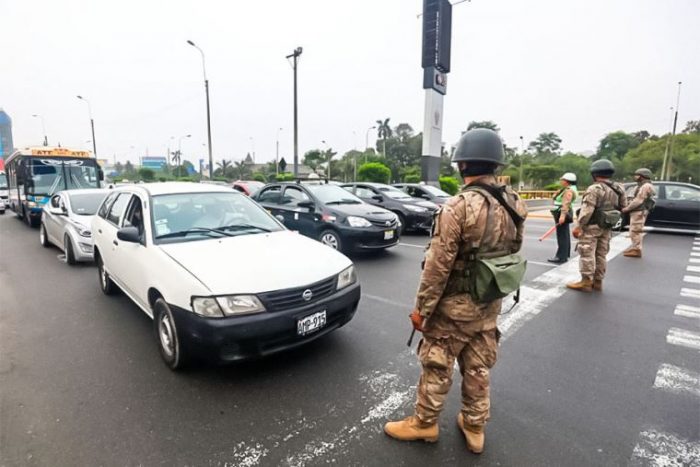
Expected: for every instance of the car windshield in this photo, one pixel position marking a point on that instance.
(86, 204)
(197, 216)
(3, 182)
(333, 194)
(392, 192)
(435, 191)
(51, 175)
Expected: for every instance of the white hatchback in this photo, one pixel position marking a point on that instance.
(220, 276)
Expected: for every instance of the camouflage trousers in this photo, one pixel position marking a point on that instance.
(593, 247)
(474, 346)
(637, 220)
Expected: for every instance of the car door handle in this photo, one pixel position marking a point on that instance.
(99, 230)
(115, 243)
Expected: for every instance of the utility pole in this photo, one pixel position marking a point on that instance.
(43, 128)
(295, 59)
(668, 141)
(206, 91)
(277, 152)
(521, 182)
(673, 134)
(92, 126)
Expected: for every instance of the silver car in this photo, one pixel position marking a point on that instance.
(65, 222)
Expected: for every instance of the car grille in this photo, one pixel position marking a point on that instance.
(290, 298)
(383, 224)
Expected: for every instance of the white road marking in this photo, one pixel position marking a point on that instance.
(693, 253)
(683, 338)
(660, 449)
(687, 311)
(422, 247)
(690, 293)
(693, 269)
(545, 289)
(691, 279)
(694, 260)
(676, 379)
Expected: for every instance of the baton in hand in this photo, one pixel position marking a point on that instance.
(410, 339)
(548, 233)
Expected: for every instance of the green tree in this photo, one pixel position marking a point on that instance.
(542, 174)
(146, 174)
(223, 167)
(374, 172)
(693, 126)
(483, 124)
(260, 177)
(685, 160)
(314, 158)
(546, 146)
(119, 168)
(615, 145)
(383, 132)
(449, 185)
(129, 169)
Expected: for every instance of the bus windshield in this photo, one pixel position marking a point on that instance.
(3, 182)
(51, 175)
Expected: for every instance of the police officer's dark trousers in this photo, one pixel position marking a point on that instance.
(563, 242)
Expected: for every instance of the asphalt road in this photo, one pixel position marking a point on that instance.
(583, 379)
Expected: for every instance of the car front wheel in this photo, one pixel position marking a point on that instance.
(43, 237)
(166, 334)
(106, 285)
(332, 239)
(68, 250)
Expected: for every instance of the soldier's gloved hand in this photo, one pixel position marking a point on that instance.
(416, 320)
(576, 232)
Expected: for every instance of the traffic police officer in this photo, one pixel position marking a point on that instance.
(638, 209)
(601, 200)
(454, 326)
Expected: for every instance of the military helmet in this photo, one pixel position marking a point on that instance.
(602, 167)
(480, 144)
(646, 173)
(569, 177)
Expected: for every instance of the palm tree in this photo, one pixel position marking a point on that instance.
(223, 165)
(177, 159)
(242, 168)
(383, 132)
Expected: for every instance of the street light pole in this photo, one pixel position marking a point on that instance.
(673, 133)
(92, 126)
(668, 141)
(367, 140)
(43, 128)
(521, 183)
(295, 59)
(328, 169)
(277, 152)
(206, 91)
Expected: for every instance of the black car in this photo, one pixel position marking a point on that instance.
(424, 192)
(413, 214)
(677, 205)
(331, 215)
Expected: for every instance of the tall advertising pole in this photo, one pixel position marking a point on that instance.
(437, 38)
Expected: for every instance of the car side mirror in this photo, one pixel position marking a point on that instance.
(280, 218)
(378, 198)
(129, 234)
(58, 211)
(307, 204)
(101, 175)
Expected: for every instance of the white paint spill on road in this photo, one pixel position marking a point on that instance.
(676, 379)
(247, 456)
(691, 279)
(659, 449)
(544, 290)
(690, 293)
(386, 407)
(687, 311)
(683, 338)
(693, 269)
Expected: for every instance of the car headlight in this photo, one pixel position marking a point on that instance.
(207, 307)
(410, 207)
(82, 230)
(355, 221)
(240, 304)
(347, 277)
(31, 204)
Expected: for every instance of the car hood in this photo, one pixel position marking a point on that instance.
(422, 203)
(257, 263)
(84, 221)
(365, 210)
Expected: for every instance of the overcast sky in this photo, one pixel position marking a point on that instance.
(580, 68)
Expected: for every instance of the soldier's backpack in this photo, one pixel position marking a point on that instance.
(649, 203)
(608, 215)
(493, 275)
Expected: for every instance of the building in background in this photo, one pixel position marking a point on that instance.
(6, 146)
(154, 163)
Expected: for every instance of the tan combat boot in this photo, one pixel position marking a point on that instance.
(474, 434)
(584, 285)
(598, 285)
(412, 429)
(633, 253)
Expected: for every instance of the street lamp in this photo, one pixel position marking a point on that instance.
(673, 134)
(277, 152)
(328, 169)
(367, 140)
(92, 125)
(43, 128)
(295, 59)
(206, 91)
(521, 183)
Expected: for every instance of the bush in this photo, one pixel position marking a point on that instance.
(146, 174)
(185, 179)
(552, 187)
(374, 172)
(449, 185)
(284, 177)
(259, 177)
(162, 179)
(411, 178)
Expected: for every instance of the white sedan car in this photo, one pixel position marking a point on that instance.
(221, 277)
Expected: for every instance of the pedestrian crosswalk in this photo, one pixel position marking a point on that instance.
(661, 448)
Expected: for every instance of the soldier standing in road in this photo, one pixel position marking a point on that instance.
(601, 207)
(563, 216)
(454, 325)
(638, 209)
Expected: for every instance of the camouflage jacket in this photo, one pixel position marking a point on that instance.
(459, 225)
(598, 195)
(643, 192)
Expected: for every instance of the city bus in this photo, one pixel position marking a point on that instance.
(35, 174)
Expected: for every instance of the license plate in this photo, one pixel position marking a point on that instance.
(388, 234)
(311, 323)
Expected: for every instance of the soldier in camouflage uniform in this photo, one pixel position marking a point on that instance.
(602, 197)
(456, 328)
(638, 210)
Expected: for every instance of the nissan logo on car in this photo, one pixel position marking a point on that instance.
(307, 295)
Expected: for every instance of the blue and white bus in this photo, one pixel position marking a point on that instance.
(35, 174)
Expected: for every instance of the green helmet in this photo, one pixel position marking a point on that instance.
(646, 173)
(480, 144)
(602, 167)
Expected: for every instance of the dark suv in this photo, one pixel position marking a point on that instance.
(413, 214)
(677, 206)
(331, 215)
